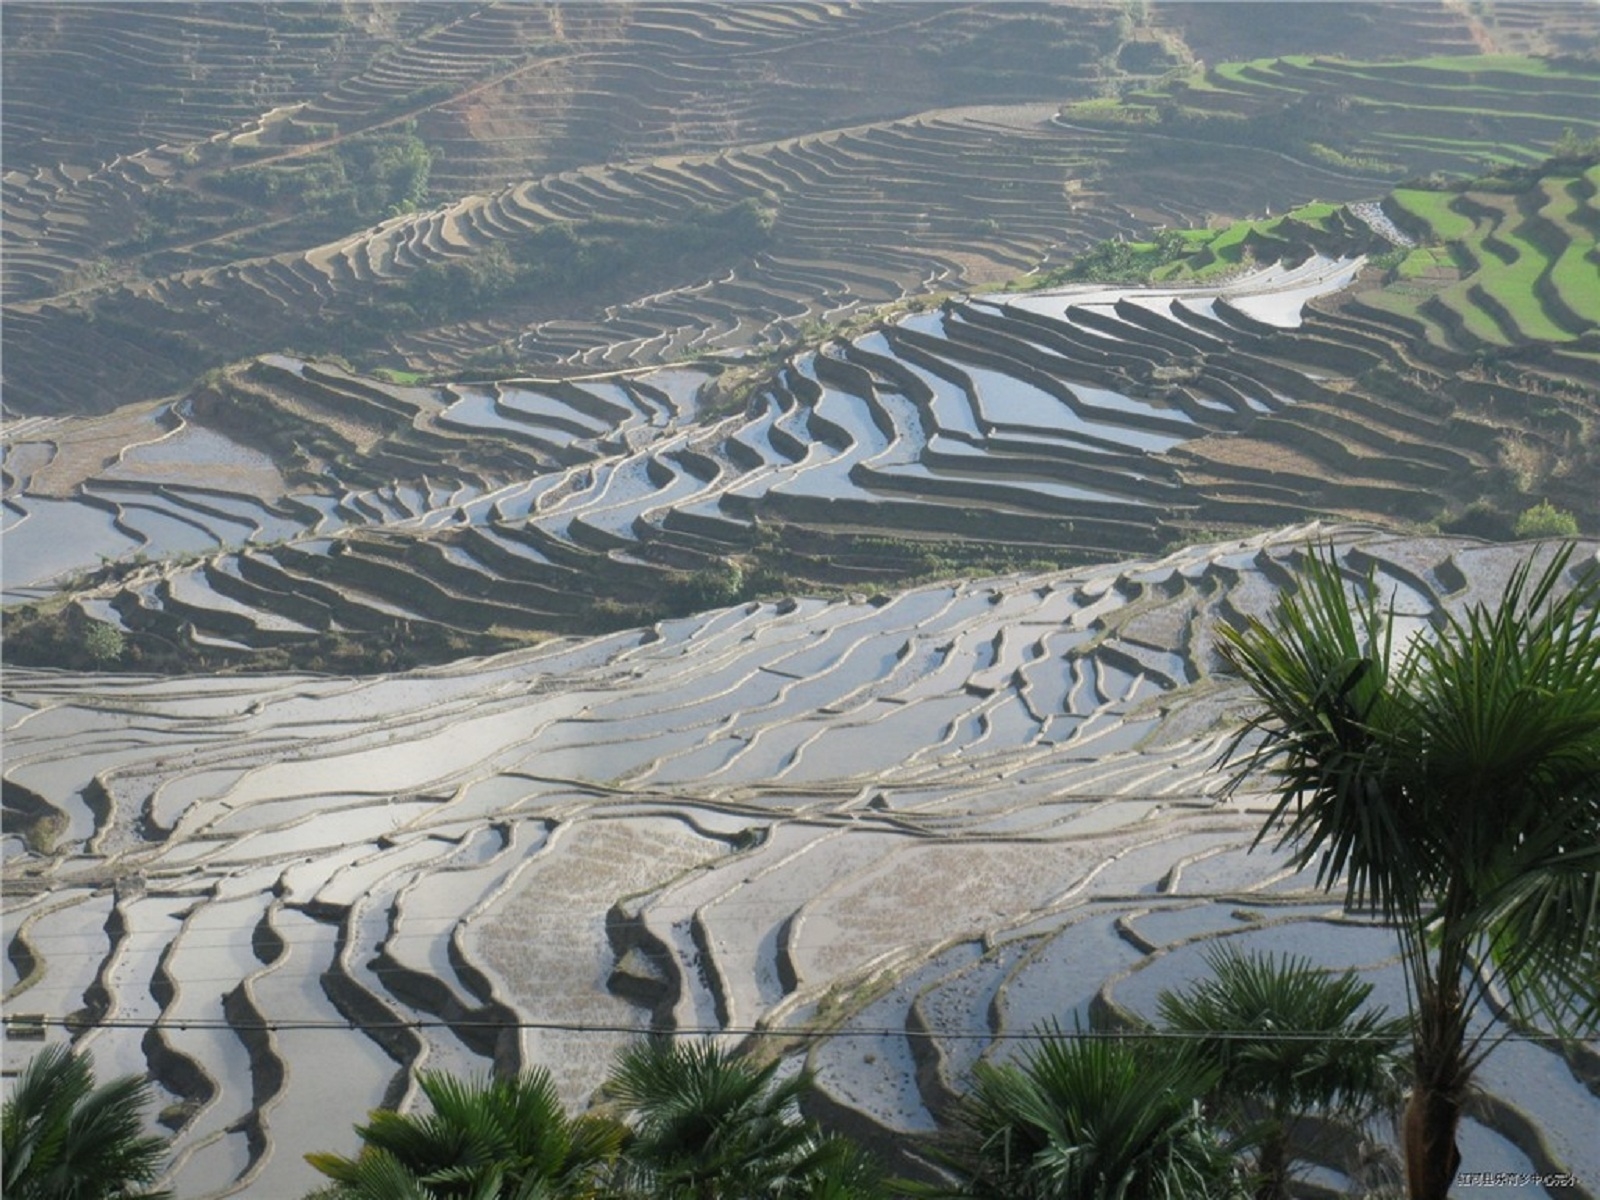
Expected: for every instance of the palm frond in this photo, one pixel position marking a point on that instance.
(1512, 737)
(704, 1118)
(1091, 1118)
(1318, 1047)
(1330, 734)
(1456, 787)
(483, 1137)
(60, 1131)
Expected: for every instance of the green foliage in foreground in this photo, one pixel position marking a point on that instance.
(64, 1138)
(708, 1124)
(1449, 782)
(1315, 1050)
(493, 1139)
(1258, 1045)
(688, 1122)
(1092, 1118)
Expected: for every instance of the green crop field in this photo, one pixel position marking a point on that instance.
(1575, 274)
(1527, 259)
(1433, 210)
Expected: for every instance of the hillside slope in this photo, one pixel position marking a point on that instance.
(887, 836)
(570, 520)
(507, 187)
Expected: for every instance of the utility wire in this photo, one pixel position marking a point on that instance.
(603, 1027)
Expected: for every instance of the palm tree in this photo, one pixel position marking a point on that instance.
(710, 1125)
(63, 1138)
(1453, 784)
(842, 1170)
(1090, 1118)
(1314, 1049)
(485, 1139)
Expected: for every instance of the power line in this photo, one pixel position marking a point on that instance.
(607, 1027)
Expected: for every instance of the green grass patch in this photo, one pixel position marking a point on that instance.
(1116, 261)
(1097, 104)
(1478, 323)
(1478, 64)
(1466, 74)
(1574, 272)
(1521, 246)
(1509, 153)
(1404, 301)
(1185, 272)
(395, 375)
(1433, 209)
(1230, 242)
(1390, 116)
(1193, 255)
(1558, 123)
(1424, 262)
(1248, 74)
(1524, 308)
(1318, 212)
(1506, 260)
(1511, 284)
(1110, 112)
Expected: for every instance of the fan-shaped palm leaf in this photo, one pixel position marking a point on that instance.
(63, 1138)
(1315, 1051)
(709, 1124)
(491, 1138)
(1091, 1119)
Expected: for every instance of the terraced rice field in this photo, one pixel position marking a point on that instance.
(953, 176)
(890, 837)
(265, 429)
(1085, 423)
(1092, 422)
(1385, 115)
(1509, 268)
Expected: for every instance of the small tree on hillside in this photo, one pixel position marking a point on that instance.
(1545, 520)
(103, 643)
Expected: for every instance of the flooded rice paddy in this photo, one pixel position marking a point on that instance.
(1050, 407)
(946, 819)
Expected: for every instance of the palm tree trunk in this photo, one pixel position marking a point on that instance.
(1272, 1164)
(1442, 1070)
(1430, 1143)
